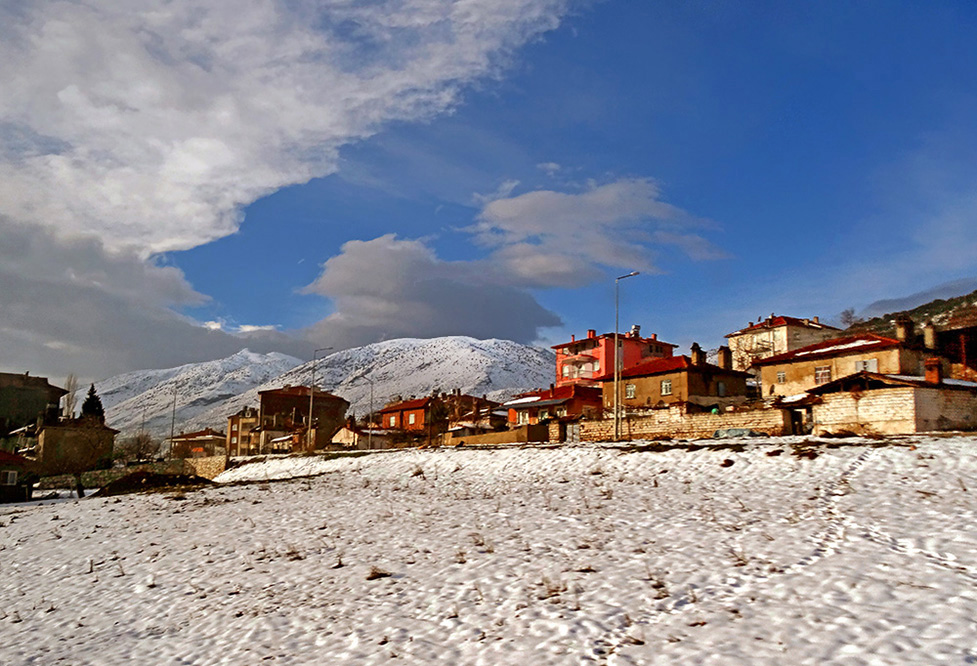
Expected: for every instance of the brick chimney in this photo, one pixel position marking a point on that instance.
(698, 356)
(815, 319)
(929, 336)
(591, 333)
(934, 371)
(904, 330)
(724, 358)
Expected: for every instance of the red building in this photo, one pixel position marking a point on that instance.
(557, 402)
(284, 412)
(580, 361)
(411, 415)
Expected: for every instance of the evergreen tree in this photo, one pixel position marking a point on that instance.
(92, 407)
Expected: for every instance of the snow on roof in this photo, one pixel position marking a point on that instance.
(834, 348)
(521, 401)
(797, 397)
(857, 343)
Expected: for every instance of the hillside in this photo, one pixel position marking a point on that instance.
(409, 367)
(206, 393)
(945, 313)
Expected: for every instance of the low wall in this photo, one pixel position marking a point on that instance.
(520, 435)
(208, 467)
(676, 422)
(890, 411)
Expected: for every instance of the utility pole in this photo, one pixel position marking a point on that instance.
(173, 421)
(617, 360)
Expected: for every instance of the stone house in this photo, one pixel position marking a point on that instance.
(802, 369)
(774, 335)
(74, 445)
(876, 403)
(678, 379)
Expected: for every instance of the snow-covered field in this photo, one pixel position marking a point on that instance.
(864, 554)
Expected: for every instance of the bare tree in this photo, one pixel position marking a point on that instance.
(140, 446)
(848, 318)
(71, 386)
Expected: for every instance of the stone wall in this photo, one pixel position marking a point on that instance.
(208, 467)
(520, 435)
(889, 411)
(677, 423)
(945, 409)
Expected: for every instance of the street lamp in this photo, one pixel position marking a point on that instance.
(617, 362)
(369, 424)
(308, 432)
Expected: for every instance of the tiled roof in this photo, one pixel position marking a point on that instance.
(853, 344)
(207, 432)
(406, 404)
(892, 380)
(622, 335)
(774, 322)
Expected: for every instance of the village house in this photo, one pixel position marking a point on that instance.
(26, 400)
(283, 416)
(678, 379)
(802, 369)
(774, 335)
(876, 403)
(558, 402)
(351, 436)
(199, 444)
(581, 361)
(16, 477)
(240, 429)
(956, 340)
(413, 415)
(73, 445)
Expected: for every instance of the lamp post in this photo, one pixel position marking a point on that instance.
(369, 423)
(308, 434)
(617, 361)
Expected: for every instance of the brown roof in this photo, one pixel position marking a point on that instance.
(206, 432)
(775, 322)
(406, 404)
(852, 344)
(623, 336)
(662, 365)
(299, 390)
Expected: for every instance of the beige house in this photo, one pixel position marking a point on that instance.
(775, 335)
(73, 446)
(802, 369)
(875, 403)
(678, 379)
(239, 435)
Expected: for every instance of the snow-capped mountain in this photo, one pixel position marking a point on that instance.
(406, 367)
(148, 395)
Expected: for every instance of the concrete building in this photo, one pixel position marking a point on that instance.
(241, 440)
(581, 361)
(284, 412)
(774, 335)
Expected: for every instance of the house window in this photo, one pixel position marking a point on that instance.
(411, 418)
(561, 411)
(393, 420)
(721, 389)
(666, 387)
(781, 377)
(234, 427)
(629, 391)
(544, 414)
(233, 440)
(868, 365)
(522, 418)
(566, 370)
(8, 478)
(822, 374)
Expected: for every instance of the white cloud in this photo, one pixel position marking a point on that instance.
(548, 238)
(151, 124)
(389, 287)
(550, 168)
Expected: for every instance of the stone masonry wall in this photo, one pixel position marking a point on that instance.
(674, 422)
(208, 468)
(887, 411)
(945, 410)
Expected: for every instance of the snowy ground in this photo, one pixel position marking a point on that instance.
(864, 554)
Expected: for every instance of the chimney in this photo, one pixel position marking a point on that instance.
(573, 337)
(815, 319)
(725, 358)
(635, 331)
(904, 330)
(591, 333)
(552, 388)
(934, 371)
(929, 336)
(698, 356)
(654, 336)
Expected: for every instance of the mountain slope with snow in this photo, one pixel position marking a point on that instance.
(410, 367)
(148, 395)
(207, 393)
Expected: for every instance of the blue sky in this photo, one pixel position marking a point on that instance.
(747, 157)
